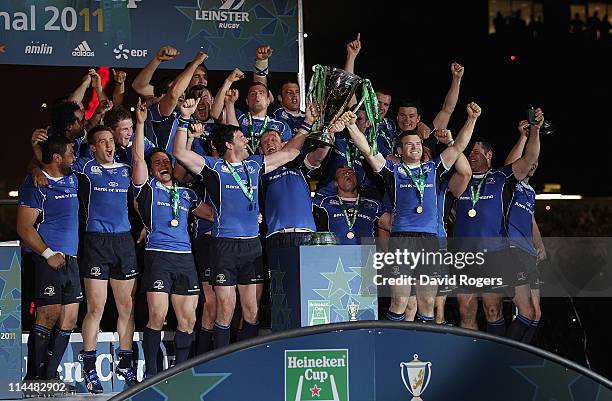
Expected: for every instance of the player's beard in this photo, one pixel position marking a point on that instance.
(65, 169)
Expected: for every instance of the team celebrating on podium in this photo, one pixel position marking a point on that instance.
(207, 192)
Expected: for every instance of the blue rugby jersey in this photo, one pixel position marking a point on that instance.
(103, 192)
(277, 125)
(155, 208)
(519, 218)
(287, 202)
(161, 130)
(404, 197)
(202, 145)
(330, 217)
(201, 226)
(235, 216)
(58, 221)
(444, 202)
(486, 230)
(336, 159)
(293, 121)
(387, 134)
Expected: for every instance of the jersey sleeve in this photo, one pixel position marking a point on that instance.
(79, 164)
(29, 195)
(506, 171)
(387, 172)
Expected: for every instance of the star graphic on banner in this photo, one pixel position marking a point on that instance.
(278, 277)
(286, 317)
(217, 45)
(551, 381)
(314, 391)
(197, 26)
(12, 279)
(188, 385)
(339, 279)
(604, 394)
(11, 308)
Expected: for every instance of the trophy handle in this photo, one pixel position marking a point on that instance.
(407, 385)
(359, 104)
(428, 377)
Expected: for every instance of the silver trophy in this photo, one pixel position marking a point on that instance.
(418, 374)
(331, 89)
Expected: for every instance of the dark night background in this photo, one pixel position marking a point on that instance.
(407, 47)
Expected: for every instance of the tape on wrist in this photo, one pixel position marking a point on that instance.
(261, 68)
(47, 253)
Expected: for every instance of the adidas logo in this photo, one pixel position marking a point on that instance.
(83, 50)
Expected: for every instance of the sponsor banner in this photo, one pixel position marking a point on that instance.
(70, 369)
(332, 284)
(128, 33)
(10, 320)
(377, 362)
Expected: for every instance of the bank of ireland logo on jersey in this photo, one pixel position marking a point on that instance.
(416, 375)
(316, 375)
(318, 312)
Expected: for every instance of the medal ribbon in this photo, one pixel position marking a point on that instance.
(248, 192)
(419, 183)
(256, 136)
(475, 197)
(351, 154)
(345, 209)
(175, 198)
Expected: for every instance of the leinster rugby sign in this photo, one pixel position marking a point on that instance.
(128, 33)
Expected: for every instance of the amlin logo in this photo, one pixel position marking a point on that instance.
(316, 375)
(40, 48)
(83, 50)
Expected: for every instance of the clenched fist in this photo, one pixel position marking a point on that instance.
(473, 110)
(457, 70)
(263, 53)
(167, 53)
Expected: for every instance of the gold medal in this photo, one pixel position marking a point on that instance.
(419, 209)
(472, 213)
(350, 235)
(174, 223)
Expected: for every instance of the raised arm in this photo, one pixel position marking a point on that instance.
(521, 167)
(260, 69)
(217, 107)
(230, 98)
(462, 176)
(449, 155)
(79, 93)
(103, 107)
(352, 50)
(168, 102)
(444, 115)
(292, 149)
(192, 161)
(140, 173)
(119, 89)
(142, 82)
(377, 162)
(517, 150)
(96, 83)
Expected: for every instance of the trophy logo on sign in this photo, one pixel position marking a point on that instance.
(353, 310)
(418, 373)
(331, 90)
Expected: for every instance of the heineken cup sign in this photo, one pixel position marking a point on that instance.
(316, 375)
